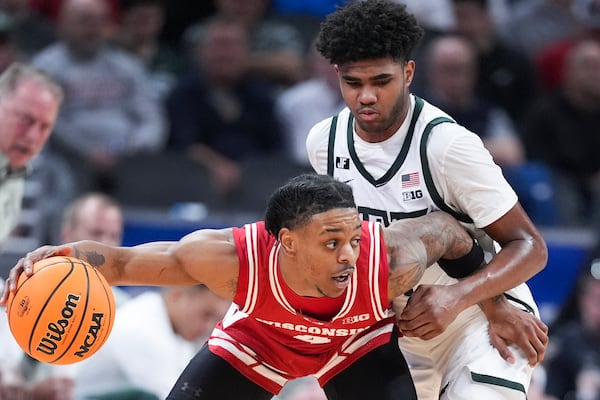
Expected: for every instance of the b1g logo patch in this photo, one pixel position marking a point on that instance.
(412, 195)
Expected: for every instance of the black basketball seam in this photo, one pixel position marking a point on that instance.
(110, 308)
(85, 310)
(37, 320)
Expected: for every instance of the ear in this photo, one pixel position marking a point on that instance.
(287, 240)
(409, 72)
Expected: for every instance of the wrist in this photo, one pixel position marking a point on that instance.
(465, 265)
(490, 305)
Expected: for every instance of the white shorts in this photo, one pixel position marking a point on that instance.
(461, 363)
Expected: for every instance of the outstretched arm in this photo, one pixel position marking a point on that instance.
(414, 244)
(205, 256)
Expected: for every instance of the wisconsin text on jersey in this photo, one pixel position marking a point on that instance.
(316, 333)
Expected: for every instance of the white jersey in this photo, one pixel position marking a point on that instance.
(433, 170)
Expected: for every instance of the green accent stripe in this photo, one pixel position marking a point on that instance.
(435, 195)
(494, 380)
(527, 307)
(331, 144)
(401, 155)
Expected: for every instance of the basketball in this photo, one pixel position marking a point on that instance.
(63, 313)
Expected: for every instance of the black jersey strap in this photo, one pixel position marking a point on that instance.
(435, 195)
(331, 144)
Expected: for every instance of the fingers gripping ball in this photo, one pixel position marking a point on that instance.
(63, 313)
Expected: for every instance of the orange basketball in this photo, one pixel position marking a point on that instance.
(63, 313)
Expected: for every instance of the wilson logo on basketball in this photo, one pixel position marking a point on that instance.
(23, 306)
(57, 329)
(92, 335)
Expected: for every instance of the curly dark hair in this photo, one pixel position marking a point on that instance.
(293, 204)
(366, 30)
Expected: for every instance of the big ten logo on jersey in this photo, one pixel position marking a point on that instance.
(412, 195)
(387, 217)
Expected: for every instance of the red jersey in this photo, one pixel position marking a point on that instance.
(266, 336)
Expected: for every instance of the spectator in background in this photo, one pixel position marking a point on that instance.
(308, 102)
(505, 76)
(550, 60)
(573, 364)
(561, 130)
(92, 216)
(219, 113)
(535, 23)
(139, 33)
(451, 72)
(108, 112)
(31, 31)
(276, 47)
(176, 321)
(29, 105)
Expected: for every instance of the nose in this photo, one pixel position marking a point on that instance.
(347, 254)
(367, 95)
(36, 133)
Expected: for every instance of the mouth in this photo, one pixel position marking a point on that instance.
(343, 278)
(367, 115)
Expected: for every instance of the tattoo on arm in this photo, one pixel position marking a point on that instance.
(94, 258)
(415, 244)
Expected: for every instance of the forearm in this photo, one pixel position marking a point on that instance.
(147, 264)
(415, 244)
(516, 263)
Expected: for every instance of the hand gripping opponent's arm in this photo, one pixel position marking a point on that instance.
(432, 307)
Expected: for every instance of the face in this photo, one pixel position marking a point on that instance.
(588, 303)
(451, 71)
(223, 53)
(27, 117)
(85, 26)
(376, 91)
(143, 22)
(324, 253)
(96, 221)
(472, 20)
(583, 71)
(195, 312)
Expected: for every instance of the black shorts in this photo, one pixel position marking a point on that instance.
(381, 374)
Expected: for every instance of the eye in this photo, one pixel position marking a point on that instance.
(24, 118)
(382, 82)
(331, 245)
(353, 84)
(356, 242)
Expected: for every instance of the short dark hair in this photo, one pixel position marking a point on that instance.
(366, 30)
(294, 204)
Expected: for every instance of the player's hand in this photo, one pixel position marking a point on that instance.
(511, 325)
(429, 311)
(25, 265)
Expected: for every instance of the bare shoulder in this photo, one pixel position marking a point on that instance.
(210, 257)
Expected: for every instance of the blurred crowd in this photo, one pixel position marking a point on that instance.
(220, 84)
